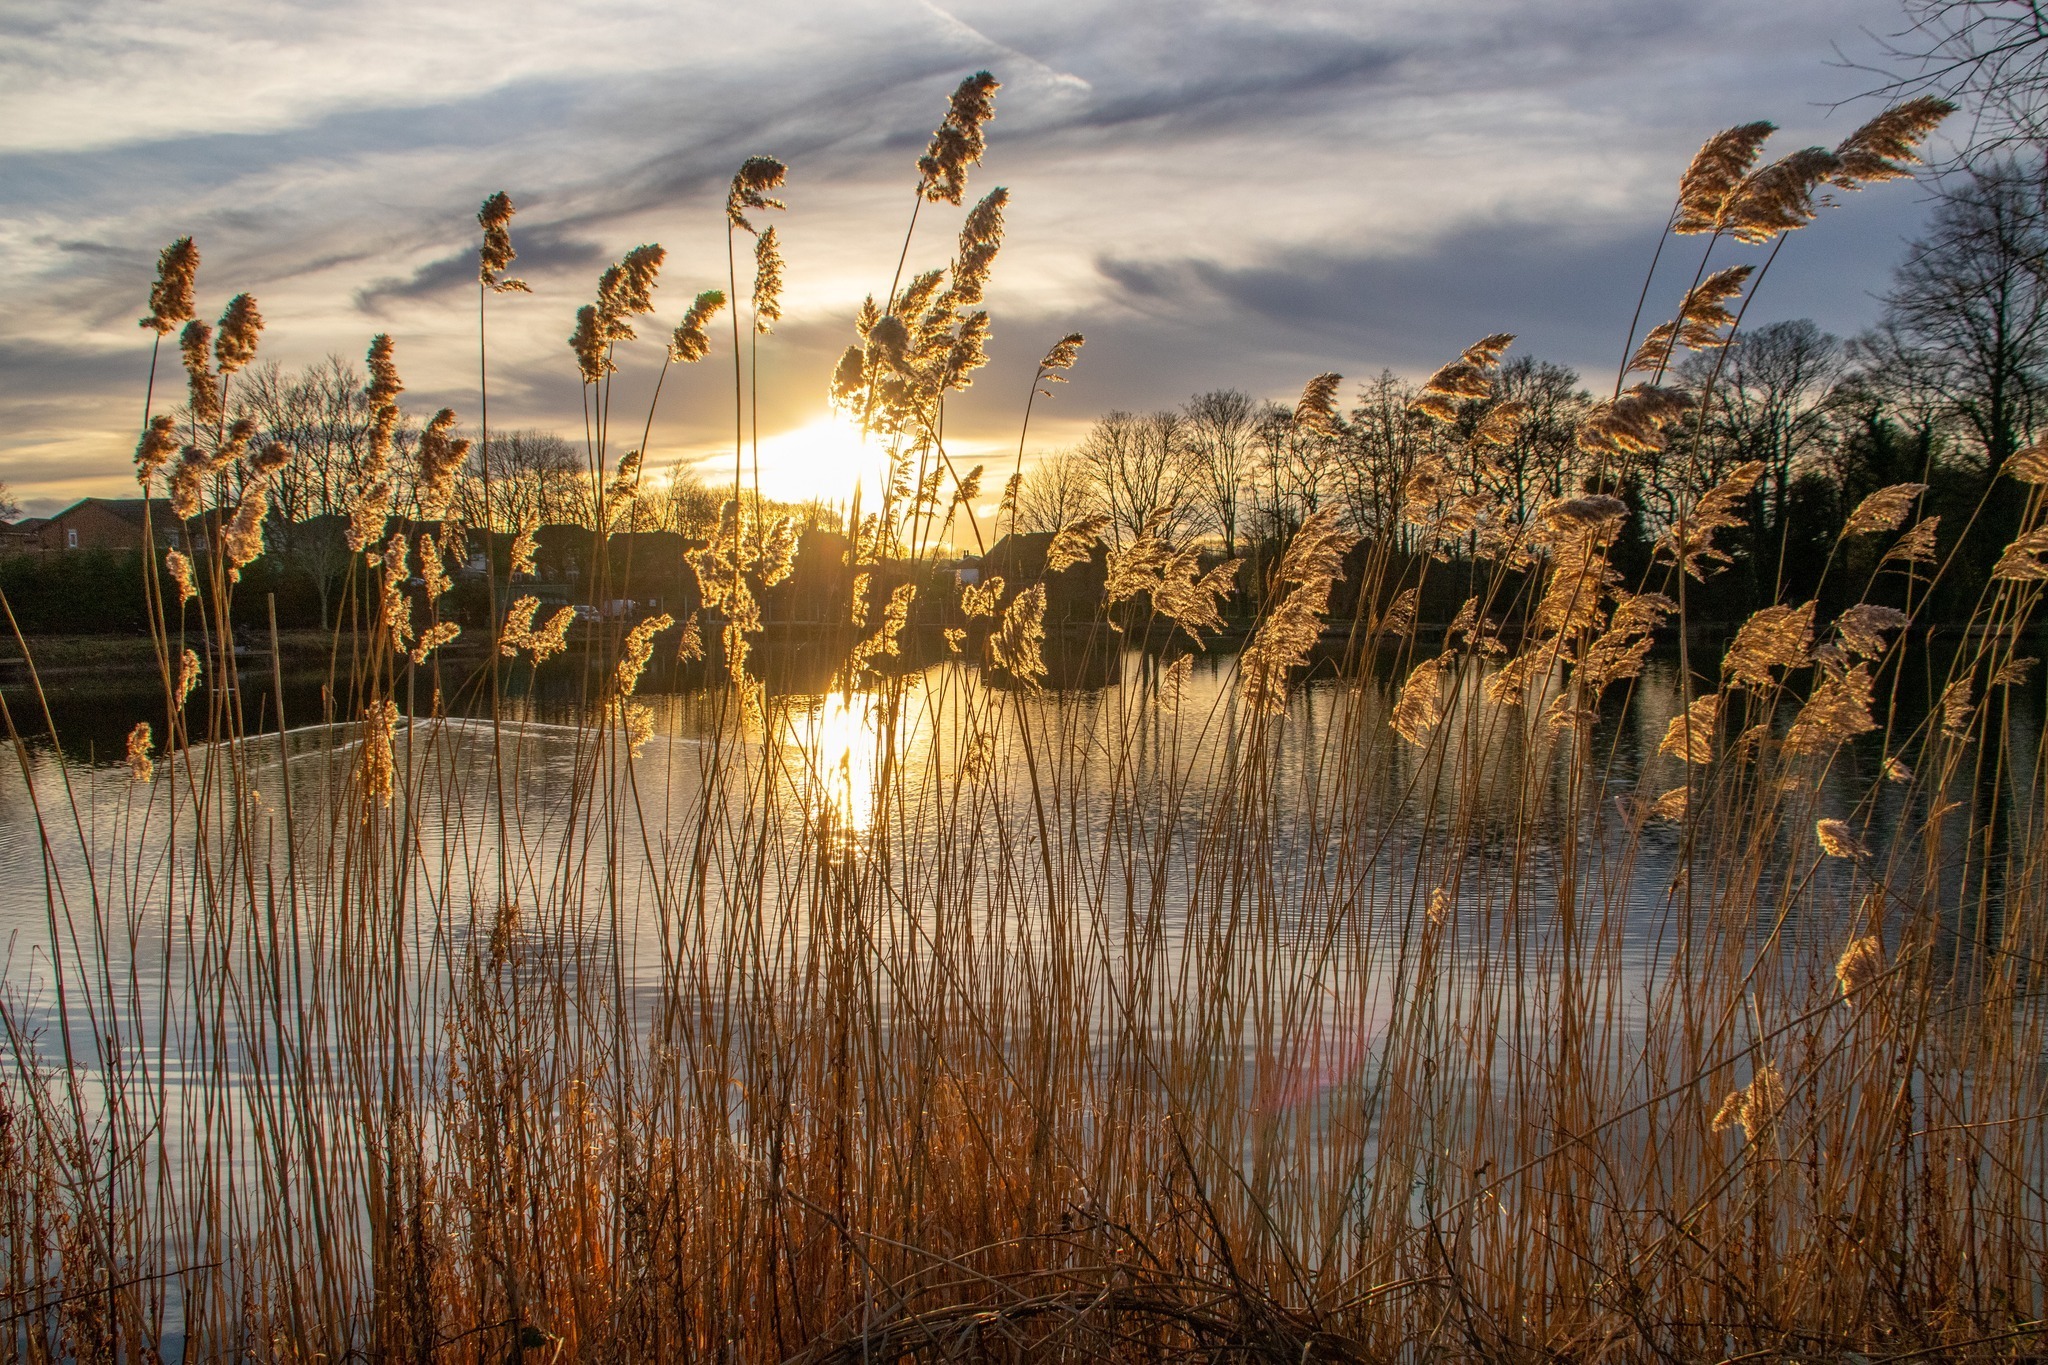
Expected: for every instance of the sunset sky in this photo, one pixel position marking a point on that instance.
(1238, 193)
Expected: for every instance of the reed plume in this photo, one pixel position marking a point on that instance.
(1958, 709)
(380, 718)
(1837, 710)
(156, 447)
(1632, 424)
(171, 297)
(441, 457)
(750, 184)
(1618, 651)
(1884, 510)
(434, 578)
(369, 504)
(638, 718)
(1861, 628)
(1190, 597)
(1702, 316)
(189, 673)
(887, 639)
(967, 353)
(1689, 542)
(958, 142)
(1916, 546)
(2023, 560)
(625, 484)
(1317, 409)
(1717, 168)
(1888, 146)
(1779, 198)
(2028, 464)
(1754, 1107)
(1837, 840)
(524, 545)
(1075, 542)
(1419, 709)
(624, 291)
(553, 637)
(1399, 617)
(982, 599)
(587, 342)
(1173, 683)
(518, 634)
(196, 464)
(1775, 637)
(1467, 378)
(767, 299)
(395, 610)
(634, 654)
(691, 340)
(203, 389)
(1310, 567)
(241, 326)
(180, 570)
(496, 255)
(431, 639)
(141, 767)
(1859, 966)
(243, 539)
(1502, 425)
(1062, 356)
(1018, 645)
(381, 362)
(1690, 735)
(981, 237)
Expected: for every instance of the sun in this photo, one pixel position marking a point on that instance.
(825, 460)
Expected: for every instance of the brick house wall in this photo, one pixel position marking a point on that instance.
(106, 524)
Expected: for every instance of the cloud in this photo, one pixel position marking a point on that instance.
(544, 248)
(1216, 191)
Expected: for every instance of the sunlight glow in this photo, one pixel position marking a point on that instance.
(823, 460)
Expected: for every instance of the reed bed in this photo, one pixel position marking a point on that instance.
(1150, 1023)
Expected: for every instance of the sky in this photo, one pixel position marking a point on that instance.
(1218, 193)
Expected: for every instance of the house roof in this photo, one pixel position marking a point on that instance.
(129, 510)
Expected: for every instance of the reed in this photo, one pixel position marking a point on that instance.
(1139, 1023)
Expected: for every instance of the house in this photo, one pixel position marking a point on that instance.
(111, 524)
(22, 537)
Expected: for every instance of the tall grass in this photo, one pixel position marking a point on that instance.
(958, 1017)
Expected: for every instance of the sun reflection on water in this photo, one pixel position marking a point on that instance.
(836, 740)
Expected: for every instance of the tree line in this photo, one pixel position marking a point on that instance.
(1946, 387)
(1941, 392)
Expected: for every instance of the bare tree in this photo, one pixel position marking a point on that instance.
(1382, 440)
(1219, 429)
(1769, 405)
(1139, 465)
(1058, 488)
(1296, 469)
(537, 478)
(689, 505)
(1990, 56)
(1543, 460)
(1966, 320)
(320, 413)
